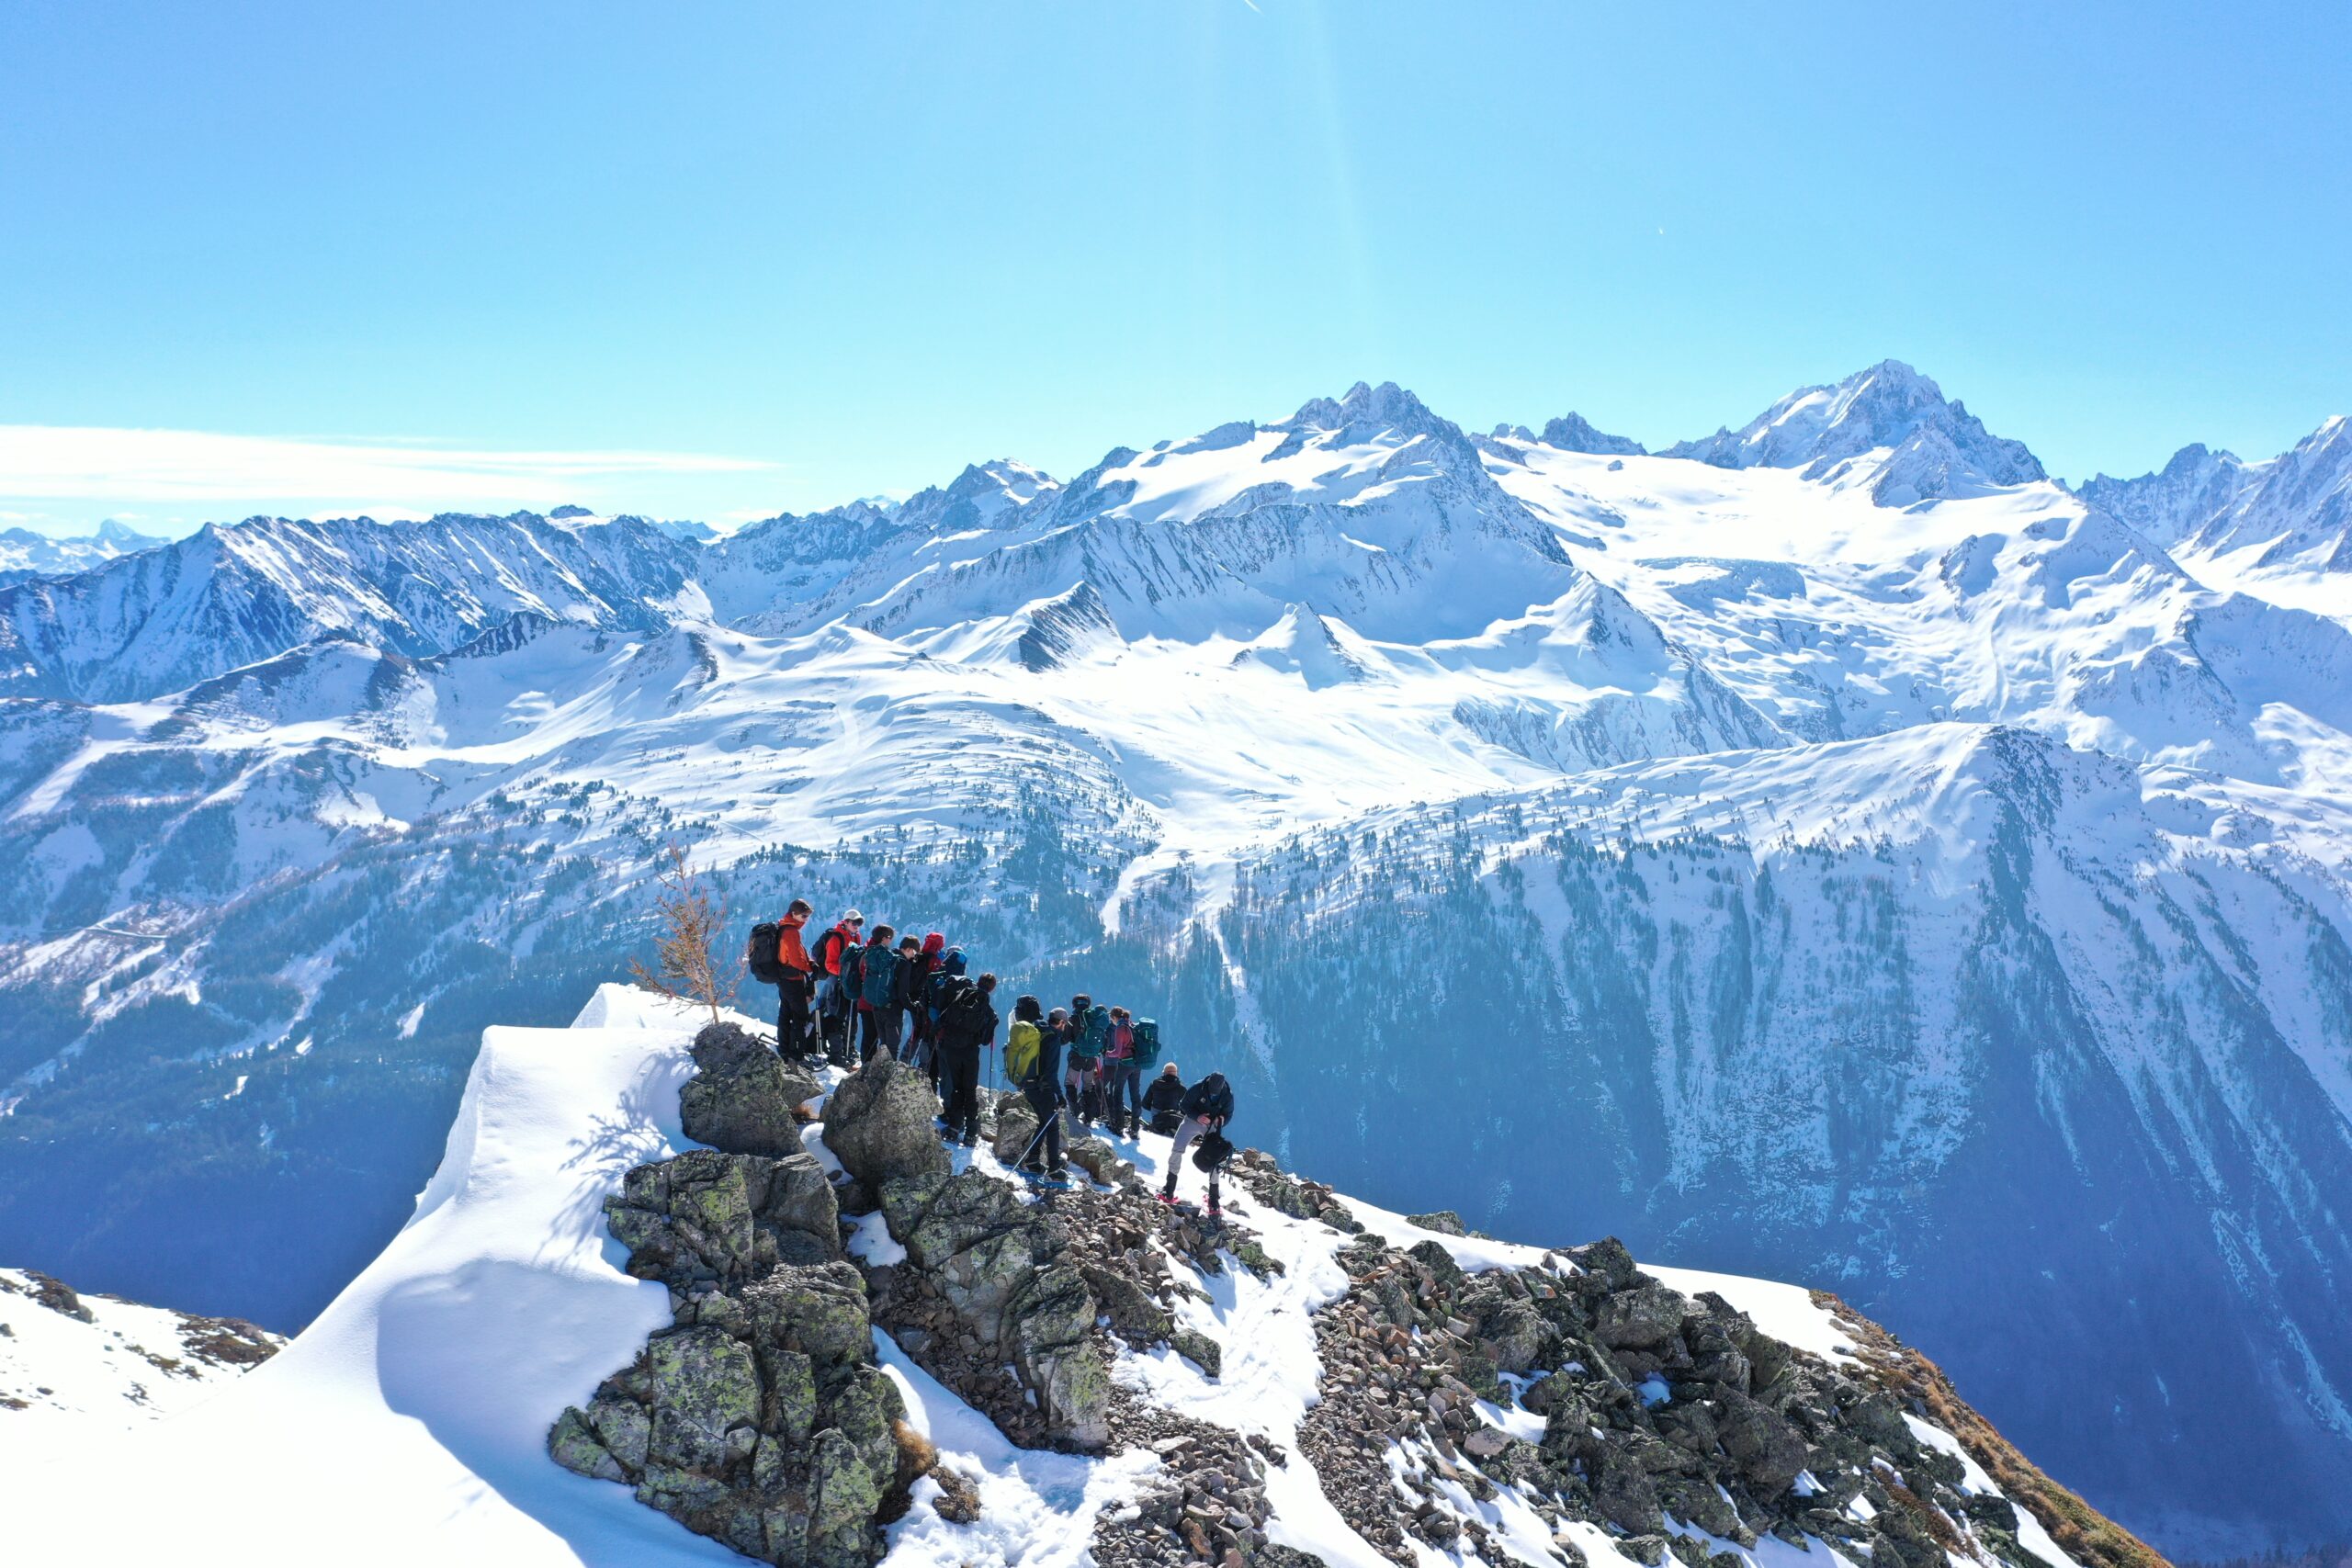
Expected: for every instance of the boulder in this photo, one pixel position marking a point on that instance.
(742, 1097)
(1050, 1332)
(712, 1217)
(1099, 1160)
(1640, 1317)
(1445, 1222)
(1016, 1123)
(1767, 1450)
(880, 1123)
(1199, 1350)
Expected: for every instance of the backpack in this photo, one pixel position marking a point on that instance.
(1023, 1047)
(761, 956)
(1147, 1044)
(1094, 1034)
(942, 983)
(955, 1001)
(1211, 1151)
(852, 969)
(877, 975)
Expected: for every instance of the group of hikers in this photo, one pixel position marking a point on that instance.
(853, 997)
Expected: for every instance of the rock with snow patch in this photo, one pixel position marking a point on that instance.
(881, 1124)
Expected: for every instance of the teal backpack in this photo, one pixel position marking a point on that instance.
(1147, 1055)
(1093, 1032)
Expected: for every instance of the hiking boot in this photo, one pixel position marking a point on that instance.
(969, 1140)
(1058, 1172)
(1031, 1168)
(1169, 1199)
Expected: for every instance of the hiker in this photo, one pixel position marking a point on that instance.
(875, 969)
(1085, 1042)
(906, 1003)
(967, 1022)
(916, 987)
(1206, 1107)
(834, 1009)
(776, 957)
(937, 989)
(1165, 1101)
(1033, 1060)
(1121, 1094)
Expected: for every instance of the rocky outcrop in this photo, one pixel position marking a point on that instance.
(758, 1419)
(743, 1097)
(1592, 1393)
(1016, 1311)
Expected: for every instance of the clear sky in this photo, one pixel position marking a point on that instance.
(719, 260)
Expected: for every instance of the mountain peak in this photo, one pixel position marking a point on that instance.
(1573, 433)
(1935, 442)
(1368, 411)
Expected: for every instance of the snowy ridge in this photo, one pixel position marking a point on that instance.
(421, 1400)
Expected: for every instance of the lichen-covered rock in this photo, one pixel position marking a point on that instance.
(1639, 1316)
(712, 1217)
(1016, 1125)
(742, 1099)
(1445, 1222)
(881, 1124)
(764, 1424)
(1199, 1350)
(1050, 1328)
(1100, 1161)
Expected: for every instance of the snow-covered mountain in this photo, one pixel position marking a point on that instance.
(1920, 446)
(77, 1372)
(25, 554)
(855, 1347)
(2282, 526)
(1825, 827)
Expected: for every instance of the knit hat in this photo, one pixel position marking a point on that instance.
(932, 943)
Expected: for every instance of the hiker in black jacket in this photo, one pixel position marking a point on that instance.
(1206, 1107)
(1042, 1087)
(1165, 1100)
(967, 1022)
(906, 1000)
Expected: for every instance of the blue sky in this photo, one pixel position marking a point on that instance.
(721, 259)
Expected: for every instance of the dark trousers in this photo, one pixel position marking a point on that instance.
(959, 1075)
(1049, 1123)
(870, 1025)
(1123, 1090)
(794, 1027)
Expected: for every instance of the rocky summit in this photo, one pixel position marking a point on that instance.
(1448, 1394)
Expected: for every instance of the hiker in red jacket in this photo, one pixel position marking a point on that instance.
(833, 1011)
(795, 1026)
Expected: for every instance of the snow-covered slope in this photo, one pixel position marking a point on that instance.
(411, 1420)
(77, 1372)
(347, 793)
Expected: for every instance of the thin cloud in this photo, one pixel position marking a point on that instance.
(172, 467)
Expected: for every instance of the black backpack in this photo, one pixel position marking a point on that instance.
(1211, 1151)
(760, 957)
(959, 1002)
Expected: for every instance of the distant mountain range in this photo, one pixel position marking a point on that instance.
(1829, 850)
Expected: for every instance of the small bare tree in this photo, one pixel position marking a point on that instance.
(690, 924)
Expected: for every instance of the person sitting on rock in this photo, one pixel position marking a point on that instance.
(1165, 1100)
(1206, 1107)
